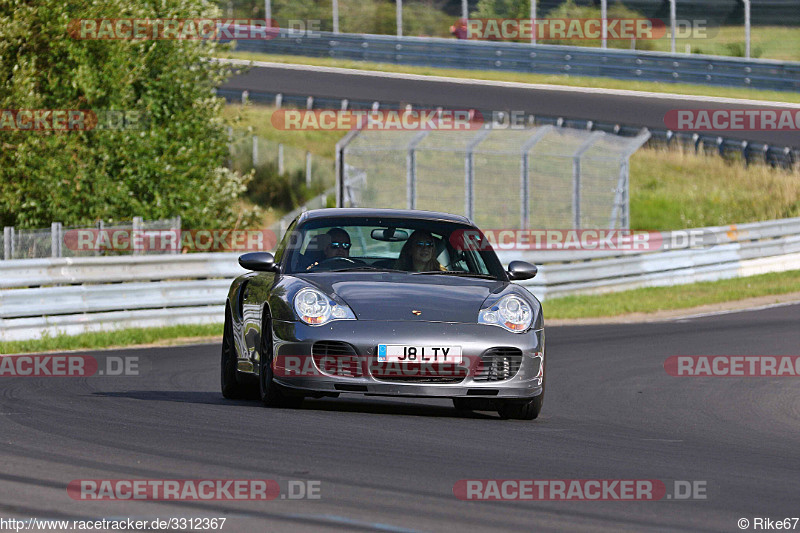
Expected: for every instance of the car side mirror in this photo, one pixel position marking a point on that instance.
(520, 270)
(258, 261)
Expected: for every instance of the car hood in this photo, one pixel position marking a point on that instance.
(394, 296)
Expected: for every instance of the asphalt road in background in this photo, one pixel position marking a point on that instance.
(646, 111)
(611, 412)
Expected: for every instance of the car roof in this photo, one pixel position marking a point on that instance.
(359, 212)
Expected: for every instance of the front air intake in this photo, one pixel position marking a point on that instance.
(498, 364)
(336, 359)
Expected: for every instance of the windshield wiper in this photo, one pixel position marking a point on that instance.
(366, 268)
(457, 273)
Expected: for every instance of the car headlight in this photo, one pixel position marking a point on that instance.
(315, 308)
(511, 312)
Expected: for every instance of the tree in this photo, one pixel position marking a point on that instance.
(173, 165)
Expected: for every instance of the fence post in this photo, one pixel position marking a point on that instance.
(335, 7)
(411, 169)
(280, 159)
(100, 227)
(399, 16)
(469, 173)
(255, 151)
(8, 242)
(137, 227)
(278, 100)
(55, 239)
(576, 178)
(747, 29)
(177, 229)
(308, 169)
(230, 147)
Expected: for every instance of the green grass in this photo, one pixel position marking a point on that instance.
(766, 42)
(677, 189)
(496, 75)
(652, 299)
(116, 338)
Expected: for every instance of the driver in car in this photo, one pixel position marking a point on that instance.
(339, 243)
(334, 243)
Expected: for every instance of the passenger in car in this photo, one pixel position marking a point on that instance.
(419, 253)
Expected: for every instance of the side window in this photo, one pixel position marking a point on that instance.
(287, 238)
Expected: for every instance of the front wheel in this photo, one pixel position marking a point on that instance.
(270, 393)
(521, 410)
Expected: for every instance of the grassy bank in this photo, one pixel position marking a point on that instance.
(117, 338)
(548, 79)
(653, 299)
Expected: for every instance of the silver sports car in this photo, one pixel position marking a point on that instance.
(384, 302)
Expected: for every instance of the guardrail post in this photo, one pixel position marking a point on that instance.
(278, 100)
(255, 151)
(8, 242)
(308, 169)
(137, 226)
(280, 159)
(55, 239)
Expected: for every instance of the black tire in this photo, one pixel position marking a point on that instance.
(270, 392)
(230, 384)
(521, 410)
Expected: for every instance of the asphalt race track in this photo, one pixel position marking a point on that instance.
(611, 412)
(646, 111)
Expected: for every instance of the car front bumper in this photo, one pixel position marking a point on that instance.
(295, 340)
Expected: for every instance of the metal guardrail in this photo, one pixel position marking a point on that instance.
(73, 295)
(541, 59)
(748, 151)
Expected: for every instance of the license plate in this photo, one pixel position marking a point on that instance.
(402, 353)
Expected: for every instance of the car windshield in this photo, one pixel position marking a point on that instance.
(382, 244)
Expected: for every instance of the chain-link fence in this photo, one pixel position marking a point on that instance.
(541, 178)
(83, 241)
(251, 151)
